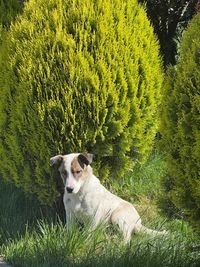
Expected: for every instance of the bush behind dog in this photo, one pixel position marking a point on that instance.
(77, 76)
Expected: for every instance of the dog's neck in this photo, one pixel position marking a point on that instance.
(90, 181)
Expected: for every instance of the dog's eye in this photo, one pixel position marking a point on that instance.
(76, 172)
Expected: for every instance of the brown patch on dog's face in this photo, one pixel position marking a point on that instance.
(77, 170)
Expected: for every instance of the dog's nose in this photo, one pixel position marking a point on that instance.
(69, 189)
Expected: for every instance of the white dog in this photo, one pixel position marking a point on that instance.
(85, 196)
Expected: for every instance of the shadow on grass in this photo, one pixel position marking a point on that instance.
(19, 211)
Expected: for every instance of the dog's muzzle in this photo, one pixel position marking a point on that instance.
(69, 189)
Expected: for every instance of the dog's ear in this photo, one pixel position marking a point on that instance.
(85, 159)
(56, 160)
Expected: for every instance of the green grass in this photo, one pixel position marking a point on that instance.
(29, 238)
(142, 180)
(55, 245)
(18, 211)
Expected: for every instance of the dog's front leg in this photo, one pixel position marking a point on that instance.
(70, 218)
(69, 213)
(98, 218)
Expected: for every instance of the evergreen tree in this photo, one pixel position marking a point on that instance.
(77, 76)
(181, 127)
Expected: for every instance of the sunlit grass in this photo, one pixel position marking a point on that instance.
(143, 181)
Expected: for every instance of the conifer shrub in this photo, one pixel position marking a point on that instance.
(180, 128)
(77, 76)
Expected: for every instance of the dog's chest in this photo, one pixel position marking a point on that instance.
(80, 204)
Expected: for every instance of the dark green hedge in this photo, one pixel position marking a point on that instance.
(181, 127)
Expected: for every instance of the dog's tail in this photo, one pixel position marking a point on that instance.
(141, 228)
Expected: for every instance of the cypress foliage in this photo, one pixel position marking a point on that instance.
(181, 127)
(8, 11)
(79, 76)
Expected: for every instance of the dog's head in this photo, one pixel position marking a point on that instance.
(74, 170)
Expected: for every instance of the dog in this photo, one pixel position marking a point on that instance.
(85, 197)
